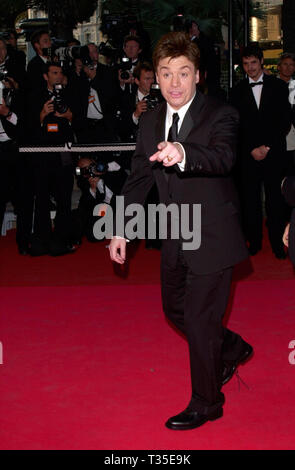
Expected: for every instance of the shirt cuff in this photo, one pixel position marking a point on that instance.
(135, 119)
(121, 238)
(181, 165)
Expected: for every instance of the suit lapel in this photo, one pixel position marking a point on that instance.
(192, 117)
(265, 94)
(160, 124)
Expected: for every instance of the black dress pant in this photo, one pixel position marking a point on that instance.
(51, 176)
(9, 177)
(196, 305)
(254, 176)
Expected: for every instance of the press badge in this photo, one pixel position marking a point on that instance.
(52, 127)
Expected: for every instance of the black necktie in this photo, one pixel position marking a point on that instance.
(252, 85)
(173, 131)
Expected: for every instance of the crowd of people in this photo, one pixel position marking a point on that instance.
(50, 102)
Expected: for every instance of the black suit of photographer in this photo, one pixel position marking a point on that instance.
(12, 163)
(52, 174)
(83, 218)
(127, 128)
(100, 129)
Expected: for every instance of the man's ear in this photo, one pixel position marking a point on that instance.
(197, 76)
(45, 76)
(136, 81)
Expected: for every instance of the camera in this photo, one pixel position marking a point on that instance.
(154, 97)
(92, 171)
(60, 105)
(125, 66)
(3, 74)
(66, 55)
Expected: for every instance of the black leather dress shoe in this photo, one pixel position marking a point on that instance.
(189, 419)
(254, 249)
(23, 250)
(230, 367)
(280, 253)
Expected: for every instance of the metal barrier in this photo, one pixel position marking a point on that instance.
(79, 148)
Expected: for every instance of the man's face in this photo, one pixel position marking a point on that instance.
(44, 43)
(54, 76)
(93, 52)
(145, 81)
(132, 49)
(194, 30)
(12, 40)
(253, 67)
(177, 79)
(3, 51)
(287, 68)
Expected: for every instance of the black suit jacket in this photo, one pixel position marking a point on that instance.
(208, 135)
(34, 77)
(106, 87)
(267, 125)
(288, 191)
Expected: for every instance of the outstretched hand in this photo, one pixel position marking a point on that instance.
(168, 154)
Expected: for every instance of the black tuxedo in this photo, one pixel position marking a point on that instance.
(267, 126)
(195, 283)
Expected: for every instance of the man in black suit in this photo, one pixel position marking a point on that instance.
(41, 43)
(96, 97)
(49, 123)
(133, 105)
(99, 184)
(265, 113)
(187, 146)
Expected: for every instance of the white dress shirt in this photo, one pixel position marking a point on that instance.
(168, 123)
(257, 90)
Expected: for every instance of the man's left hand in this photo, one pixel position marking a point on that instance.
(168, 153)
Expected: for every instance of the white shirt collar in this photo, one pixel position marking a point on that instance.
(181, 112)
(260, 79)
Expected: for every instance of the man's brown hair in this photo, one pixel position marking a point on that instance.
(176, 44)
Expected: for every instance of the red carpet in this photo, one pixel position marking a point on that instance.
(89, 361)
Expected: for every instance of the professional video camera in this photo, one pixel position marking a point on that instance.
(107, 50)
(59, 103)
(116, 26)
(92, 171)
(154, 97)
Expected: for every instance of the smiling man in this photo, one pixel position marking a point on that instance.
(187, 146)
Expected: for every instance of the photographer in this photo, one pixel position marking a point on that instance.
(96, 97)
(132, 50)
(99, 183)
(49, 119)
(41, 43)
(11, 165)
(8, 67)
(133, 105)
